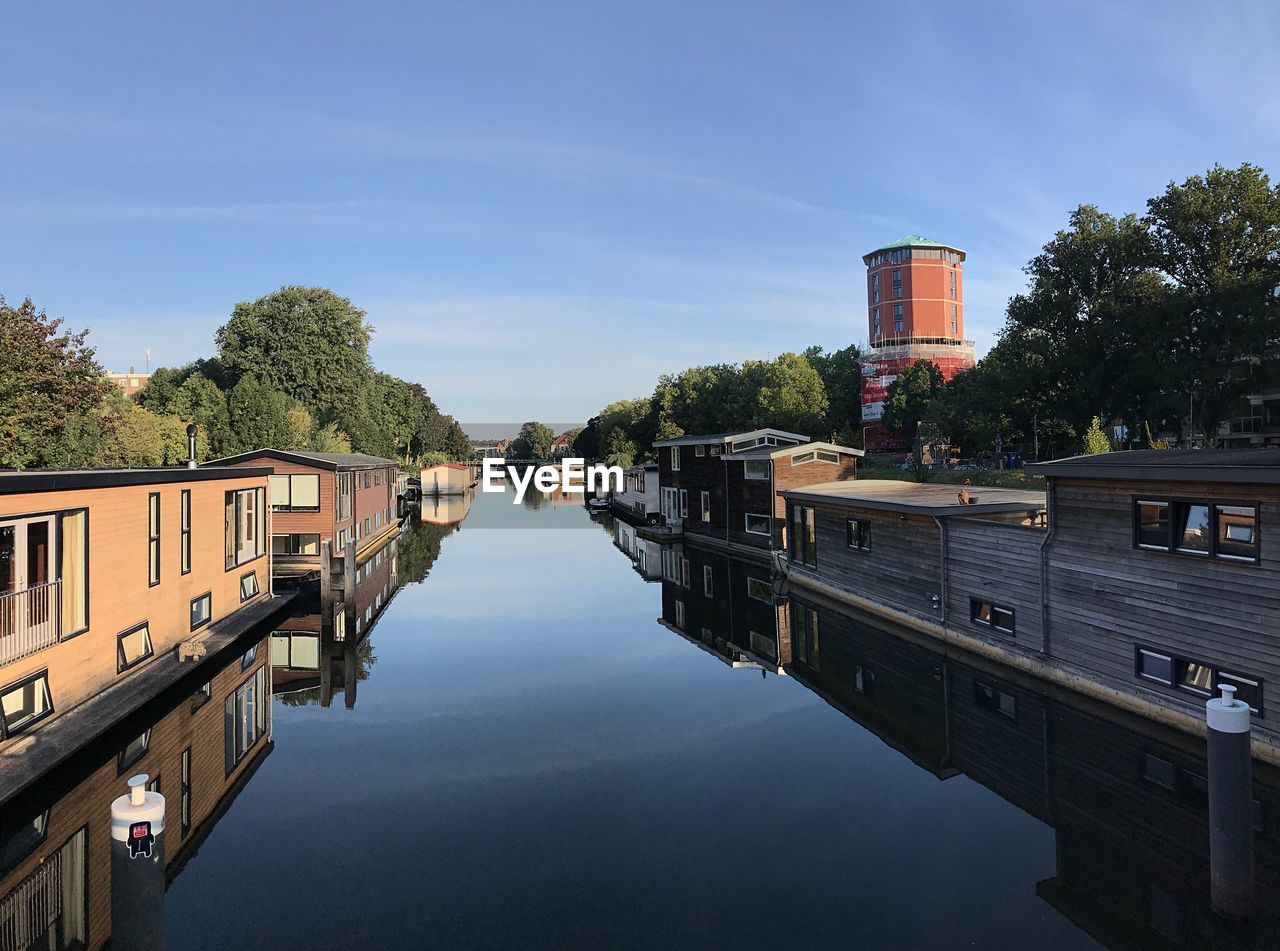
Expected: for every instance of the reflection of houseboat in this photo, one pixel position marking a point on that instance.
(319, 497)
(199, 752)
(446, 478)
(645, 555)
(168, 555)
(445, 509)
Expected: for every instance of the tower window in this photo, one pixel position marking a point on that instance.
(953, 286)
(875, 288)
(955, 320)
(897, 283)
(897, 318)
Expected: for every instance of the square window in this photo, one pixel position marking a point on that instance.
(980, 611)
(1153, 524)
(1196, 677)
(699, 451)
(248, 586)
(136, 749)
(1237, 531)
(1007, 704)
(133, 647)
(758, 524)
(757, 468)
(201, 610)
(1157, 667)
(23, 704)
(760, 590)
(1002, 618)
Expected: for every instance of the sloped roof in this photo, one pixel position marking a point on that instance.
(914, 241)
(321, 460)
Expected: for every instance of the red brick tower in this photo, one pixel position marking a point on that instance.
(915, 311)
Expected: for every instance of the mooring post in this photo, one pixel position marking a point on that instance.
(1230, 805)
(137, 868)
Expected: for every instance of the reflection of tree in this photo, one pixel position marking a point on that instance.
(534, 498)
(419, 547)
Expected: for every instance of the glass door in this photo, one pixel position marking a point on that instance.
(28, 602)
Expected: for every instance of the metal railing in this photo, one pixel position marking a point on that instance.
(30, 620)
(31, 909)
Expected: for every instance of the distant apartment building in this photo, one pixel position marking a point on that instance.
(915, 311)
(1258, 424)
(129, 383)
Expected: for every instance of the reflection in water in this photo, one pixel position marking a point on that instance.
(1125, 797)
(199, 744)
(445, 509)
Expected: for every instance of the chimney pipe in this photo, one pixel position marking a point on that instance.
(191, 445)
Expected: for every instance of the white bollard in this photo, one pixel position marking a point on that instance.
(137, 868)
(1230, 805)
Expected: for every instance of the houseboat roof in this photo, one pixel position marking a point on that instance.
(918, 498)
(769, 452)
(13, 481)
(738, 436)
(337, 461)
(445, 465)
(1169, 465)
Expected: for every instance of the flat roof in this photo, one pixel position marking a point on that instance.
(929, 498)
(14, 481)
(728, 437)
(770, 452)
(320, 460)
(1169, 465)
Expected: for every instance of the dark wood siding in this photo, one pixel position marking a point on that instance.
(997, 561)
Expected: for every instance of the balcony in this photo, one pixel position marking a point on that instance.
(30, 620)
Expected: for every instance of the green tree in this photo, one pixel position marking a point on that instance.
(198, 400)
(619, 449)
(534, 442)
(259, 417)
(1095, 440)
(841, 373)
(305, 342)
(328, 438)
(910, 395)
(47, 377)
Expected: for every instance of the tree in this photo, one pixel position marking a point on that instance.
(841, 373)
(259, 417)
(909, 396)
(1095, 440)
(619, 449)
(788, 394)
(47, 377)
(534, 442)
(198, 400)
(305, 342)
(328, 438)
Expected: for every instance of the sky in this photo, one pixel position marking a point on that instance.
(544, 206)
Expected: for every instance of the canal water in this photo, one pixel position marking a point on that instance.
(539, 741)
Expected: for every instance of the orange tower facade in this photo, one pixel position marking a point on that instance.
(915, 311)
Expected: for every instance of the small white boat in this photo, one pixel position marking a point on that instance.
(598, 503)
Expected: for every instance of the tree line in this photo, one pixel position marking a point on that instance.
(1159, 324)
(816, 393)
(291, 371)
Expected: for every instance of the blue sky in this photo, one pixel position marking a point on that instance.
(542, 206)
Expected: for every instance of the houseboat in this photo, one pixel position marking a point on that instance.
(198, 750)
(445, 509)
(105, 573)
(644, 553)
(1143, 578)
(446, 478)
(725, 487)
(317, 497)
(639, 499)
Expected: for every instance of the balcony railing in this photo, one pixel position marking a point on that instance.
(30, 620)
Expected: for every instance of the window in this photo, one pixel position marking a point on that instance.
(294, 493)
(804, 634)
(186, 531)
(341, 543)
(186, 791)
(760, 590)
(762, 646)
(875, 288)
(716, 450)
(858, 531)
(73, 570)
(863, 680)
(244, 718)
(136, 749)
(875, 317)
(699, 451)
(803, 542)
(22, 841)
(684, 503)
(680, 615)
(297, 651)
(988, 614)
(990, 697)
(675, 458)
(248, 657)
(684, 572)
(955, 320)
(708, 583)
(246, 526)
(817, 455)
(153, 538)
(25, 703)
(133, 647)
(897, 283)
(367, 479)
(952, 275)
(1197, 676)
(295, 544)
(758, 524)
(154, 784)
(897, 318)
(342, 498)
(1225, 531)
(705, 499)
(201, 610)
(757, 468)
(377, 477)
(248, 585)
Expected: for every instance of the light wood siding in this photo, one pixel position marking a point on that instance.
(120, 597)
(997, 561)
(1106, 596)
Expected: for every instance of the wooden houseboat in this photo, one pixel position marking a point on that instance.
(725, 487)
(104, 573)
(319, 497)
(639, 497)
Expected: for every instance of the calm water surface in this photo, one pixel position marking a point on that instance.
(537, 757)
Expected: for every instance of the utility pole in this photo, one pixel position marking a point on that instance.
(1035, 433)
(1191, 420)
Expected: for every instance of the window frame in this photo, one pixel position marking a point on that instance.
(863, 526)
(1172, 506)
(992, 608)
(184, 528)
(746, 524)
(7, 731)
(675, 458)
(708, 582)
(756, 597)
(231, 501)
(62, 565)
(121, 664)
(768, 470)
(126, 760)
(289, 506)
(256, 590)
(153, 539)
(799, 551)
(207, 597)
(1177, 683)
(704, 501)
